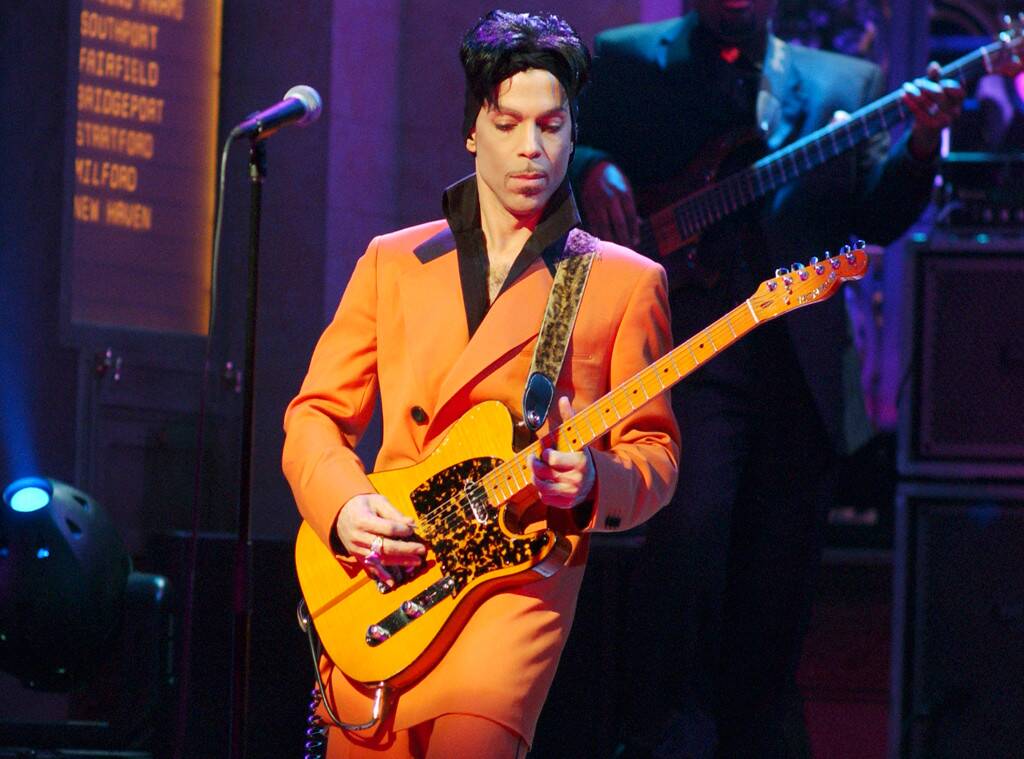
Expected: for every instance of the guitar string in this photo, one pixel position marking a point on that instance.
(452, 511)
(702, 201)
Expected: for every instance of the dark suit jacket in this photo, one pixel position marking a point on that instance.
(650, 109)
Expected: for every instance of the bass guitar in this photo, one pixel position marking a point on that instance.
(461, 496)
(667, 229)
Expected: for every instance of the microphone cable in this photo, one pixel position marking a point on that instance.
(192, 555)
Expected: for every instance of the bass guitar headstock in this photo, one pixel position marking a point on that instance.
(803, 284)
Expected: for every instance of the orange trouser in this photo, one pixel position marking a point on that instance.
(450, 736)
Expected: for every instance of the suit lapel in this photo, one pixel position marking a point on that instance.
(675, 54)
(434, 317)
(512, 320)
(785, 85)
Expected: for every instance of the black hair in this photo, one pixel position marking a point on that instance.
(503, 43)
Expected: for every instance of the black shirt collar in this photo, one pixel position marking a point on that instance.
(461, 205)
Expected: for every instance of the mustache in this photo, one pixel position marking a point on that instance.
(529, 169)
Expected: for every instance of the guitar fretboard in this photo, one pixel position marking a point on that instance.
(669, 229)
(587, 425)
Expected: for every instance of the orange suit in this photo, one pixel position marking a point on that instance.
(401, 332)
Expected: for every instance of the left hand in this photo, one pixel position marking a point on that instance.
(563, 479)
(935, 103)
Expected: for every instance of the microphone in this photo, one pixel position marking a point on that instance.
(301, 105)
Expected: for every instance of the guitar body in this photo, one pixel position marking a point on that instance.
(475, 554)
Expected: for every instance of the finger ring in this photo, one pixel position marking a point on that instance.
(376, 545)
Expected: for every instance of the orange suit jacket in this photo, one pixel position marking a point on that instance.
(400, 332)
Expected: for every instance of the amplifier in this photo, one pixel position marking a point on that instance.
(961, 412)
(958, 622)
(983, 190)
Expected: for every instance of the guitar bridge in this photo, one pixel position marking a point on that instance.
(410, 610)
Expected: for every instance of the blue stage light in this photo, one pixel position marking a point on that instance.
(63, 576)
(28, 494)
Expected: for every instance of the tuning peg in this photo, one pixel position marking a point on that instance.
(828, 254)
(796, 266)
(860, 245)
(813, 261)
(781, 270)
(844, 250)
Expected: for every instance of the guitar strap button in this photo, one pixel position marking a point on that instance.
(419, 415)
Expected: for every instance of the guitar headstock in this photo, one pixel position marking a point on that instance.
(801, 285)
(1004, 56)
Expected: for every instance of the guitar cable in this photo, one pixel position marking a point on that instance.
(380, 700)
(181, 718)
(316, 730)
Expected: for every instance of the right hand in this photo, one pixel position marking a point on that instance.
(608, 204)
(366, 517)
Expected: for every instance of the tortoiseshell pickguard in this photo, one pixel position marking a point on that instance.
(465, 547)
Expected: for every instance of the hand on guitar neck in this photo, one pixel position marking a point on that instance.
(935, 103)
(563, 479)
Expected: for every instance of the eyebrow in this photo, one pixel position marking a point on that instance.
(559, 111)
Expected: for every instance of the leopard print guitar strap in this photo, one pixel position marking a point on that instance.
(571, 276)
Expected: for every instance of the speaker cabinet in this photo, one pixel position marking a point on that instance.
(963, 415)
(958, 622)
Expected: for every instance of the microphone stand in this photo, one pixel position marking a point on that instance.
(242, 588)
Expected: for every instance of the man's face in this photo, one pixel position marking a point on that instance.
(522, 143)
(735, 21)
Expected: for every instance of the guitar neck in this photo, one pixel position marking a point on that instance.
(697, 212)
(503, 482)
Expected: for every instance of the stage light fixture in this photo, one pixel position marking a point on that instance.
(28, 494)
(63, 573)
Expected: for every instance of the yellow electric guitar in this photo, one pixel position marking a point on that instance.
(461, 496)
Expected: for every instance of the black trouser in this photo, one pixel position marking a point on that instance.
(724, 587)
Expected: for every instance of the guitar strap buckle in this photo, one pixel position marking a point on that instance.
(571, 277)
